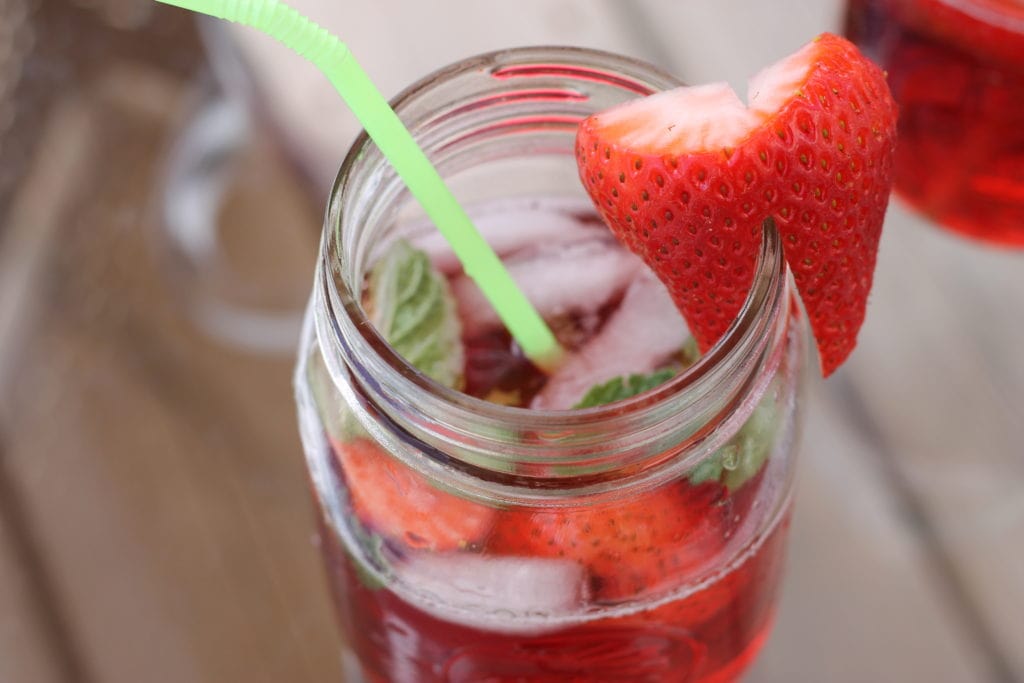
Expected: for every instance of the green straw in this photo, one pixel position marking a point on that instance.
(332, 57)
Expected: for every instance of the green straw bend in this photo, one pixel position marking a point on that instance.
(334, 59)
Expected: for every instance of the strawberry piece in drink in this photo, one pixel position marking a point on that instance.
(630, 548)
(686, 177)
(402, 506)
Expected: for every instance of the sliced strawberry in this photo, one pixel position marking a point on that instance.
(738, 600)
(686, 177)
(651, 542)
(400, 505)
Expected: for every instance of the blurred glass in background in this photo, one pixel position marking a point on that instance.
(956, 68)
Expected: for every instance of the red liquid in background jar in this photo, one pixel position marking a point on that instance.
(956, 69)
(707, 628)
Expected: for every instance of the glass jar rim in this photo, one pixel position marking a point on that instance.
(345, 324)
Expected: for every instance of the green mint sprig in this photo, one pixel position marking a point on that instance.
(621, 388)
(733, 464)
(412, 307)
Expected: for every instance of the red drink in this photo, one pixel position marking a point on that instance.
(703, 621)
(711, 633)
(956, 68)
(514, 538)
(411, 612)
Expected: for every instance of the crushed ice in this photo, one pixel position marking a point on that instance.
(511, 226)
(598, 269)
(497, 593)
(644, 331)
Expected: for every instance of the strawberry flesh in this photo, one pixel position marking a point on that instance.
(685, 179)
(629, 548)
(402, 506)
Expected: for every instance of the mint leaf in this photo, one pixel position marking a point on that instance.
(412, 307)
(734, 463)
(709, 470)
(373, 546)
(746, 454)
(738, 461)
(621, 388)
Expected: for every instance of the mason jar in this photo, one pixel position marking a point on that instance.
(470, 540)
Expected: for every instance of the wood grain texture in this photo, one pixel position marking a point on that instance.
(49, 187)
(389, 39)
(861, 599)
(161, 473)
(31, 647)
(27, 653)
(160, 479)
(939, 374)
(706, 41)
(937, 384)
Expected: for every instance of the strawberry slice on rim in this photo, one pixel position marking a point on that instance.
(685, 178)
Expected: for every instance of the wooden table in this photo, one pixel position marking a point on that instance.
(155, 523)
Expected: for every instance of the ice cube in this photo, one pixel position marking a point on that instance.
(506, 594)
(638, 337)
(575, 278)
(510, 226)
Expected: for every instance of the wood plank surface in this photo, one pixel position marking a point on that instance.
(935, 390)
(930, 632)
(389, 40)
(27, 652)
(160, 472)
(30, 644)
(34, 642)
(861, 599)
(704, 41)
(940, 381)
(162, 525)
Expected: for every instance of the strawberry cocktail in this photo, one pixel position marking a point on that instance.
(621, 514)
(677, 578)
(956, 68)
